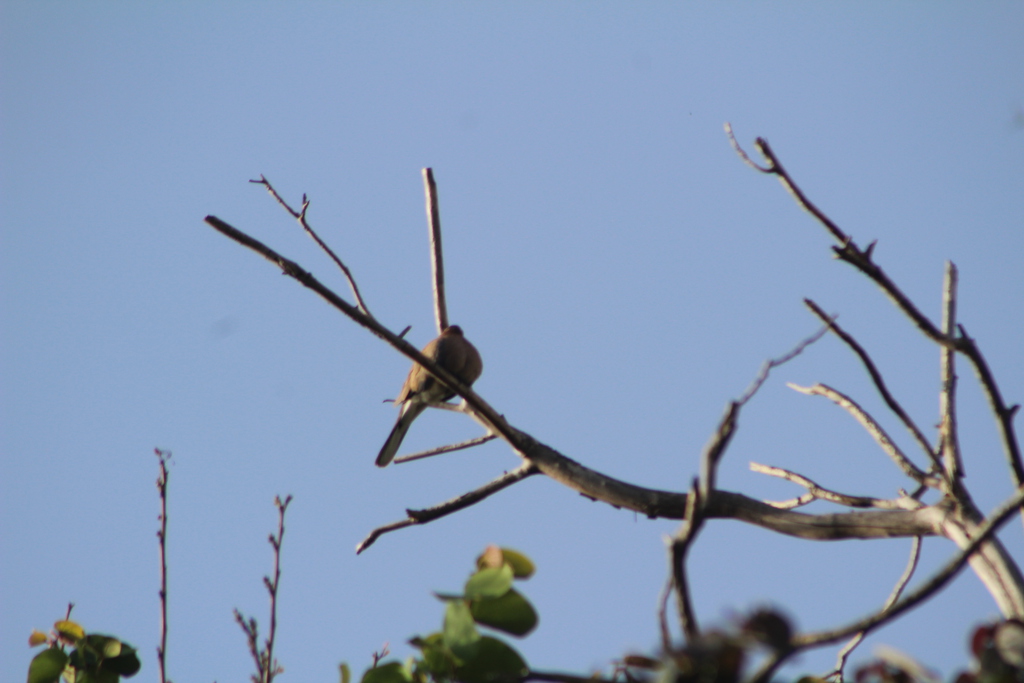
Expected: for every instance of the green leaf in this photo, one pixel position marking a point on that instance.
(346, 673)
(494, 660)
(69, 629)
(522, 566)
(491, 582)
(104, 646)
(47, 666)
(392, 672)
(511, 613)
(126, 664)
(437, 659)
(84, 658)
(460, 634)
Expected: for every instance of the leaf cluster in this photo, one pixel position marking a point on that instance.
(459, 652)
(94, 658)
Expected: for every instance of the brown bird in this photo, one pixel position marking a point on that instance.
(454, 353)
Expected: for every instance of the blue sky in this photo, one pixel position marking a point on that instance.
(621, 271)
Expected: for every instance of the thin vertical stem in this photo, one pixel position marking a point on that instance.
(949, 443)
(436, 254)
(161, 484)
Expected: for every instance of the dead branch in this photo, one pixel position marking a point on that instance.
(525, 470)
(815, 492)
(897, 591)
(949, 443)
(872, 427)
(926, 590)
(451, 448)
(680, 548)
(876, 377)
(768, 365)
(300, 216)
(715, 449)
(436, 253)
(861, 259)
(593, 484)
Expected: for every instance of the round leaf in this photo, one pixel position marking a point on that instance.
(494, 661)
(489, 583)
(47, 666)
(511, 613)
(460, 634)
(522, 566)
(126, 664)
(69, 630)
(392, 672)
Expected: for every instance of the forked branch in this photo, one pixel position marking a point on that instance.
(861, 259)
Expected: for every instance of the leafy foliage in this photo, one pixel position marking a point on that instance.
(459, 652)
(94, 658)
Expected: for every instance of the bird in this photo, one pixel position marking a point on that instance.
(453, 352)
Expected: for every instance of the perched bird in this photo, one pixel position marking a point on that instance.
(454, 353)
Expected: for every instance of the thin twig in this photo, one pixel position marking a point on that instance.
(666, 593)
(876, 377)
(949, 443)
(1003, 414)
(873, 428)
(927, 589)
(715, 449)
(273, 585)
(161, 534)
(742, 154)
(266, 666)
(815, 492)
(908, 572)
(446, 449)
(436, 254)
(685, 537)
(775, 168)
(251, 630)
(847, 250)
(426, 515)
(300, 216)
(767, 366)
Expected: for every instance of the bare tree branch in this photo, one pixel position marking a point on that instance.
(872, 427)
(715, 449)
(666, 593)
(949, 443)
(926, 590)
(876, 377)
(680, 548)
(525, 470)
(768, 365)
(815, 492)
(1004, 415)
(844, 653)
(597, 486)
(436, 253)
(446, 449)
(300, 216)
(161, 534)
(861, 259)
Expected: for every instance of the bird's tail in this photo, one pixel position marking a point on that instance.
(410, 411)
